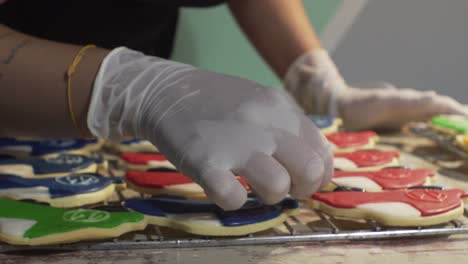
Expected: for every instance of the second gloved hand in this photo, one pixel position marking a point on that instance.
(212, 127)
(317, 85)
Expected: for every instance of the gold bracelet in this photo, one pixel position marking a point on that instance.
(70, 72)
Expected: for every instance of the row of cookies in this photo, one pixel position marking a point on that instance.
(386, 193)
(179, 203)
(354, 158)
(24, 223)
(358, 166)
(55, 179)
(62, 173)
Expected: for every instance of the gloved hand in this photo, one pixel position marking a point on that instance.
(212, 127)
(314, 81)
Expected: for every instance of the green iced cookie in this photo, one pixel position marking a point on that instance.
(23, 223)
(451, 123)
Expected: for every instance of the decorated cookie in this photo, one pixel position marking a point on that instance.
(365, 160)
(385, 179)
(465, 200)
(22, 148)
(409, 207)
(205, 218)
(67, 191)
(352, 141)
(167, 182)
(326, 124)
(23, 223)
(132, 146)
(462, 141)
(451, 124)
(144, 161)
(53, 166)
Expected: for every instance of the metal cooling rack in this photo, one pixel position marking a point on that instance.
(309, 226)
(443, 140)
(154, 237)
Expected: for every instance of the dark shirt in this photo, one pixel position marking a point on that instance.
(145, 25)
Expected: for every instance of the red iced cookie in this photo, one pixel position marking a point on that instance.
(161, 179)
(427, 201)
(353, 139)
(142, 158)
(391, 178)
(369, 158)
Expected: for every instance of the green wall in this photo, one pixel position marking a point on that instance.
(209, 38)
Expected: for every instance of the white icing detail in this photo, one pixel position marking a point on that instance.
(59, 143)
(65, 159)
(15, 226)
(143, 143)
(358, 181)
(165, 164)
(344, 164)
(201, 218)
(391, 209)
(189, 188)
(26, 193)
(16, 151)
(78, 180)
(85, 216)
(17, 169)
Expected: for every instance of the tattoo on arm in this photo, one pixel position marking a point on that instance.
(15, 50)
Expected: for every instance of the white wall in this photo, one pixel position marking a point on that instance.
(412, 43)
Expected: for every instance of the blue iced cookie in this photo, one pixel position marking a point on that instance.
(67, 191)
(53, 166)
(326, 124)
(205, 218)
(21, 148)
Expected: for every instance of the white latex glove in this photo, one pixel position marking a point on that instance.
(212, 127)
(314, 81)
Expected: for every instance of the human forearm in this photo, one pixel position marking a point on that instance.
(279, 29)
(33, 84)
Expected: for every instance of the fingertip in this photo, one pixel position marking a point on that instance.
(267, 177)
(310, 183)
(224, 189)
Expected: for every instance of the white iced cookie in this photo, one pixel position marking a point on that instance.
(366, 160)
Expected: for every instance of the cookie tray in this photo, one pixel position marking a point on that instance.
(308, 226)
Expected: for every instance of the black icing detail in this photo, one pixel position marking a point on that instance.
(111, 208)
(348, 189)
(428, 187)
(33, 201)
(398, 167)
